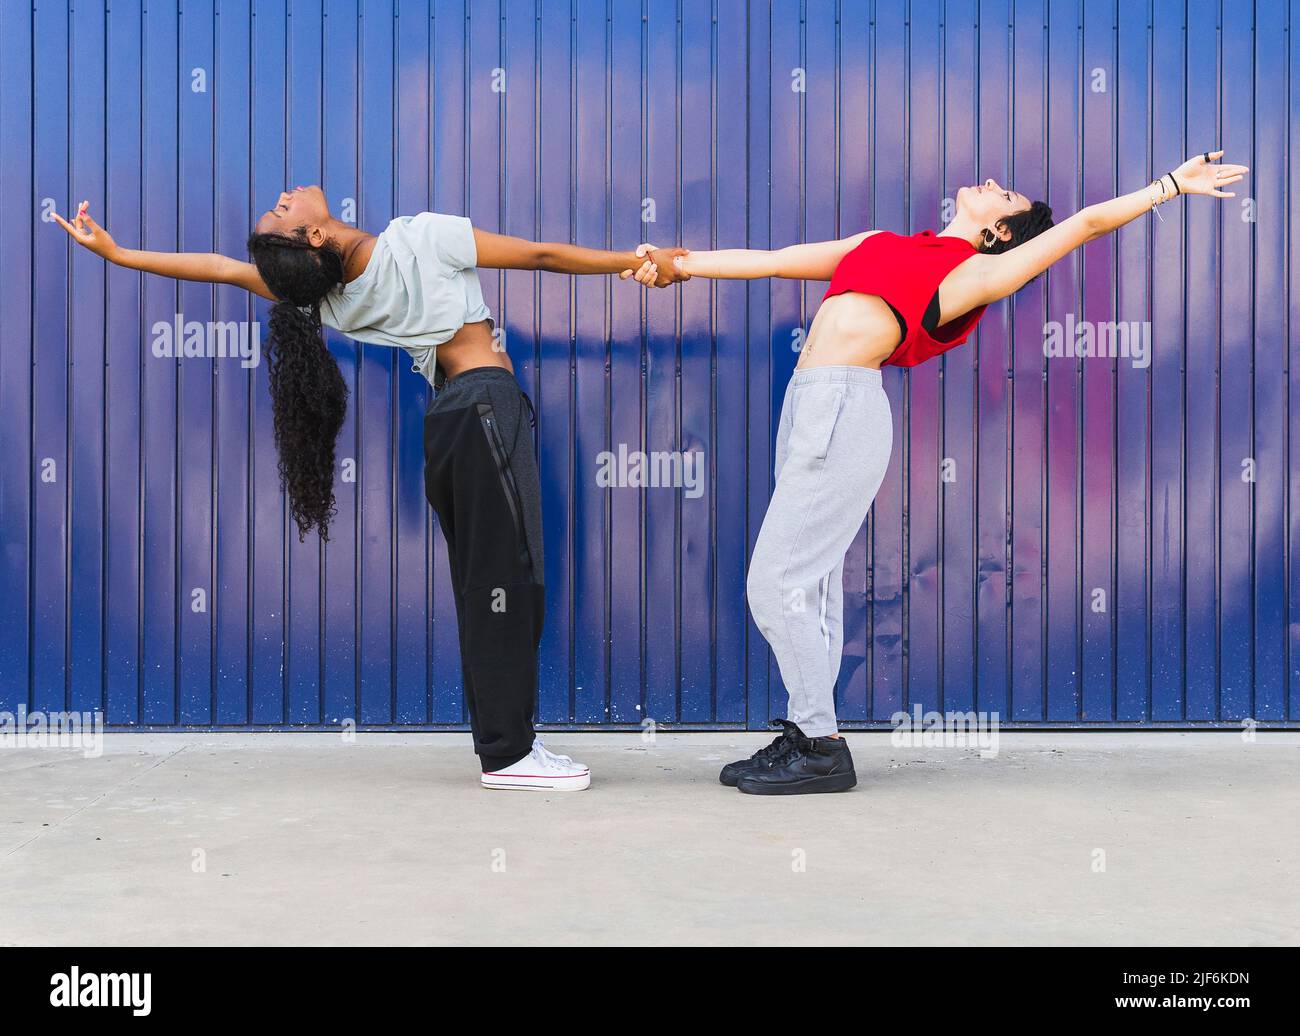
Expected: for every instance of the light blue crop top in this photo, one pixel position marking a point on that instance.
(417, 290)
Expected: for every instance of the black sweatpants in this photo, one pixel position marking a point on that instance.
(480, 475)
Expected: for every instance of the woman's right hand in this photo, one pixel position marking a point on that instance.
(89, 234)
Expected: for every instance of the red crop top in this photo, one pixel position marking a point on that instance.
(906, 272)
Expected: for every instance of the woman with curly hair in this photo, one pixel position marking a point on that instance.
(899, 300)
(415, 286)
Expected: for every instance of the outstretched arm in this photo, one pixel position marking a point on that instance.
(815, 261)
(502, 252)
(1009, 271)
(184, 266)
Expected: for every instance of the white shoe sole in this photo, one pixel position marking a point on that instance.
(523, 782)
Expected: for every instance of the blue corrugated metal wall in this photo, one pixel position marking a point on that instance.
(131, 482)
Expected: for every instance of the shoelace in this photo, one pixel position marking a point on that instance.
(780, 744)
(544, 755)
(795, 743)
(774, 749)
(792, 746)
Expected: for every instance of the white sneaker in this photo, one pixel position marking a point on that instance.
(540, 770)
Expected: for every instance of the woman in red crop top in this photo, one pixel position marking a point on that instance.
(897, 300)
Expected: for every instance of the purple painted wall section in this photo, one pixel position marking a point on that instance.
(1094, 555)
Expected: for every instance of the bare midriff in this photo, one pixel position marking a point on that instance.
(851, 330)
(471, 346)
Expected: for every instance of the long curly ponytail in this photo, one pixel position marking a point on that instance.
(309, 397)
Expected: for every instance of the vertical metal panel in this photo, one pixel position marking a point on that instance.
(232, 591)
(164, 604)
(1111, 542)
(412, 148)
(888, 211)
(195, 383)
(123, 204)
(994, 386)
(85, 400)
(660, 512)
(1096, 427)
(1065, 80)
(380, 369)
(759, 113)
(615, 669)
(1166, 403)
(1288, 308)
(733, 358)
(592, 100)
(450, 194)
(695, 431)
(784, 194)
(1242, 368)
(1028, 166)
(341, 571)
(555, 81)
(958, 44)
(921, 455)
(303, 143)
(1200, 444)
(1132, 604)
(853, 208)
(47, 535)
(18, 225)
(1268, 321)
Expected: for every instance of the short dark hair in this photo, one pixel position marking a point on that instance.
(1023, 226)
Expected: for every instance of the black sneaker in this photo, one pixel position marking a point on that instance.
(807, 765)
(761, 759)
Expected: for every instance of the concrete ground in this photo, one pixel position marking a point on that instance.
(1153, 838)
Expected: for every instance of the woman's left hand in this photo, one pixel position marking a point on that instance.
(1201, 176)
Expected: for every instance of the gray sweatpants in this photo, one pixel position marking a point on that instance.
(832, 449)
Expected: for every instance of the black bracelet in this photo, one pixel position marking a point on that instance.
(1177, 189)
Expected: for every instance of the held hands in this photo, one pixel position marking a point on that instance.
(86, 232)
(661, 267)
(1198, 175)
